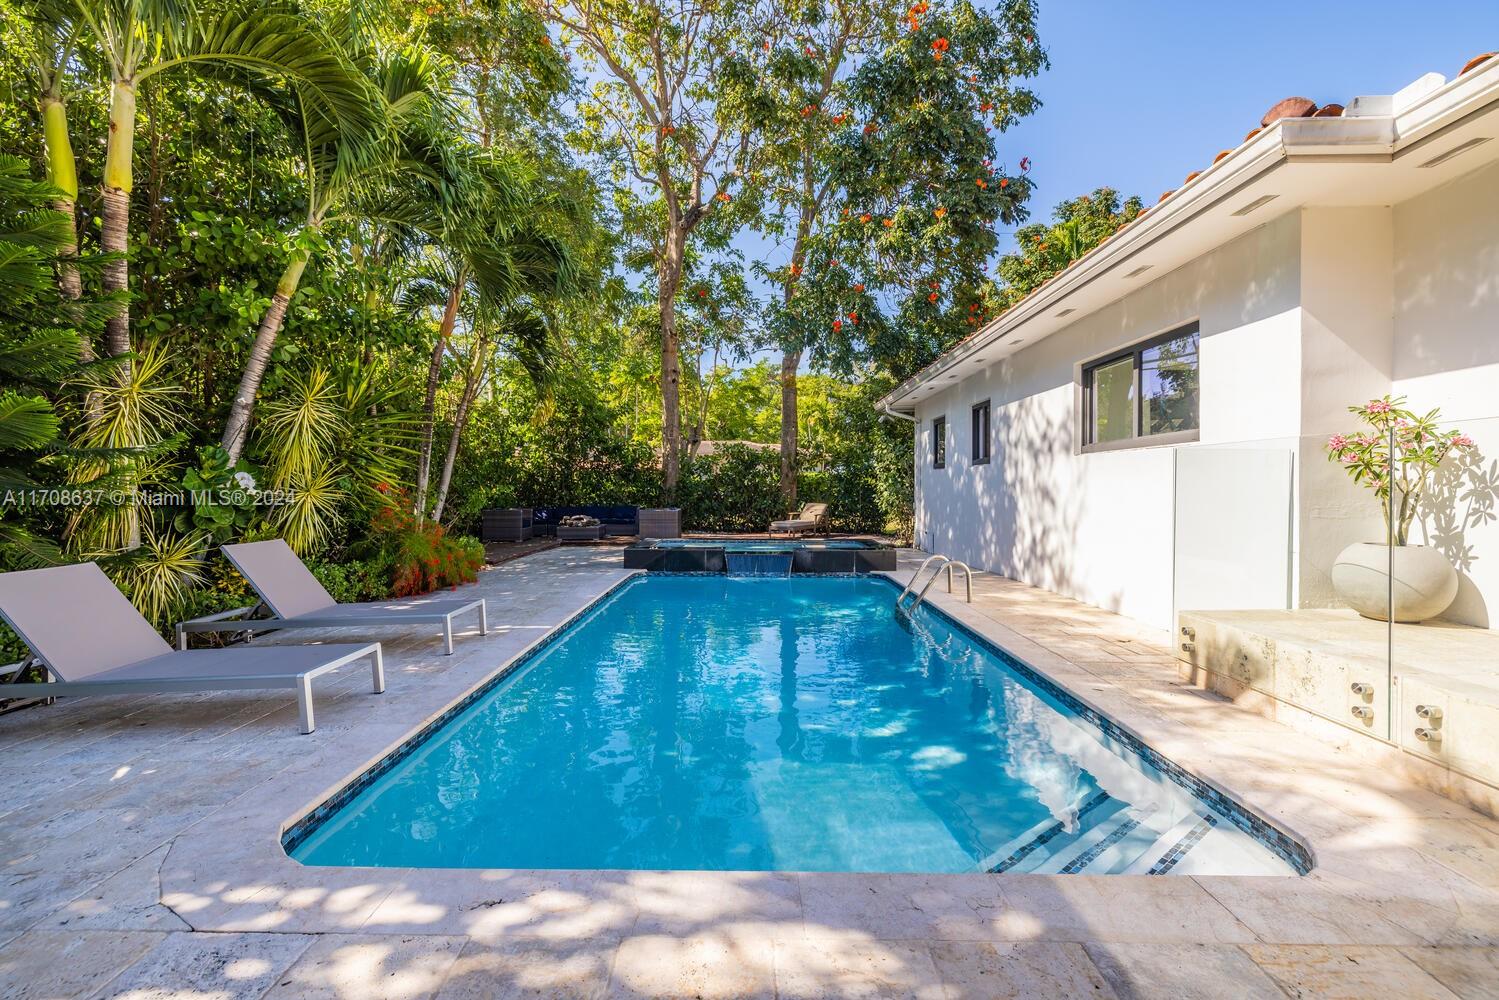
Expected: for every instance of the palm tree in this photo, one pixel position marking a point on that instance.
(355, 175)
(139, 39)
(495, 271)
(526, 336)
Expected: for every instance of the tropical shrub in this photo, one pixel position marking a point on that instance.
(419, 556)
(355, 580)
(737, 488)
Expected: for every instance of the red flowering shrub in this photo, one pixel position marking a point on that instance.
(422, 557)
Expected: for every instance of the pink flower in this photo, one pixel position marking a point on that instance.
(1337, 443)
(1462, 441)
(1378, 406)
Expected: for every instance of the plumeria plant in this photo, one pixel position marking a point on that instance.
(1419, 449)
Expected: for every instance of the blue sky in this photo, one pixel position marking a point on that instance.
(1142, 92)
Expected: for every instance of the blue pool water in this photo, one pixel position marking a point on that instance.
(788, 724)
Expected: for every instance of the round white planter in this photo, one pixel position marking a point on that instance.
(1425, 582)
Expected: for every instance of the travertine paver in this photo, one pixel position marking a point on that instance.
(223, 966)
(144, 859)
(387, 966)
(1181, 971)
(40, 965)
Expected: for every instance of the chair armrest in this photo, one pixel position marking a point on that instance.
(221, 616)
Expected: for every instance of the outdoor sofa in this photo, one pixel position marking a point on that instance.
(295, 599)
(617, 519)
(92, 641)
(812, 517)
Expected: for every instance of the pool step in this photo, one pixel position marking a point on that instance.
(1031, 845)
(1075, 857)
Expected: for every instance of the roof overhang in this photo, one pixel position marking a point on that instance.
(1385, 150)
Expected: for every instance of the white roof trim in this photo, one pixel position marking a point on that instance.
(1418, 111)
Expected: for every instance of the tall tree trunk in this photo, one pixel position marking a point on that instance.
(237, 427)
(62, 172)
(115, 237)
(671, 367)
(790, 362)
(429, 404)
(460, 421)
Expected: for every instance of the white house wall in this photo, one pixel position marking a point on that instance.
(1446, 303)
(1347, 350)
(1099, 527)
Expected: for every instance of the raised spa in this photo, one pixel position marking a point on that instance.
(790, 725)
(760, 556)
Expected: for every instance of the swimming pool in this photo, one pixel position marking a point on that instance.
(791, 725)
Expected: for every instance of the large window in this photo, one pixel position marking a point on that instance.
(939, 443)
(981, 433)
(1146, 395)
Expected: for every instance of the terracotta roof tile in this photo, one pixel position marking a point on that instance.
(1476, 62)
(1291, 107)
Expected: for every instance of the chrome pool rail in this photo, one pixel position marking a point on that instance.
(945, 564)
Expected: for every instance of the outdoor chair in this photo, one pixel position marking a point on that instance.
(812, 517)
(295, 599)
(91, 640)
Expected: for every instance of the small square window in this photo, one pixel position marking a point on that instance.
(981, 433)
(939, 443)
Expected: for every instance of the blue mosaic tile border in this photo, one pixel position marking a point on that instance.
(1083, 860)
(1290, 850)
(297, 833)
(1179, 849)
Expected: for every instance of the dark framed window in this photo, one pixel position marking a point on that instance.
(939, 443)
(981, 433)
(1145, 395)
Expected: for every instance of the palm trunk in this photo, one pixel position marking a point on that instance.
(790, 362)
(237, 427)
(429, 406)
(460, 421)
(62, 172)
(115, 237)
(671, 368)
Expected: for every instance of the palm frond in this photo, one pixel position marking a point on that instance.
(26, 422)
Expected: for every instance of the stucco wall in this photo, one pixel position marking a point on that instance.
(1099, 527)
(1347, 332)
(1318, 310)
(1446, 312)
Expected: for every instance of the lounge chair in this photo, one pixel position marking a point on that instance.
(812, 517)
(296, 600)
(91, 640)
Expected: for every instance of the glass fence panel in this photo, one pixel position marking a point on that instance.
(1281, 576)
(1444, 653)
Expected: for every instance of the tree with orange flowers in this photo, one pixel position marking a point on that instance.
(926, 163)
(819, 44)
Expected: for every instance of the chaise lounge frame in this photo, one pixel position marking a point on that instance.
(294, 599)
(118, 652)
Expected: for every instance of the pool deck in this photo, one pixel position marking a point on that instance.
(144, 858)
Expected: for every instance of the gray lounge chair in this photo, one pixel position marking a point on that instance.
(296, 600)
(811, 517)
(91, 640)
